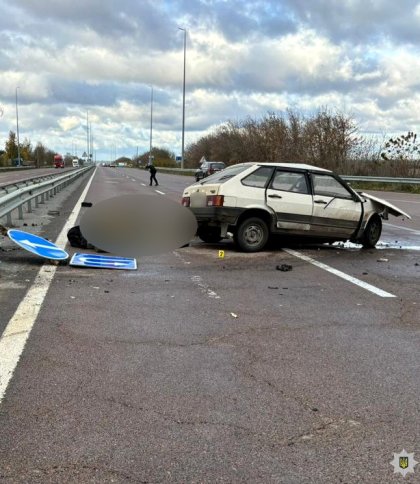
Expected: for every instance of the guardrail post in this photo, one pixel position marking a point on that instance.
(29, 206)
(20, 210)
(9, 219)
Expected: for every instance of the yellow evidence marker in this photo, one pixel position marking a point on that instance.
(221, 254)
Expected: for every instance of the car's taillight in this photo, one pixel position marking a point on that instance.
(215, 201)
(211, 171)
(185, 201)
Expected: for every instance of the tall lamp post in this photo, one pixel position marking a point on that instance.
(183, 97)
(151, 126)
(17, 125)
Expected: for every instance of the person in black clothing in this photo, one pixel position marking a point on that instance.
(152, 174)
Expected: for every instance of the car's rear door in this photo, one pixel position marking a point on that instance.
(289, 196)
(336, 211)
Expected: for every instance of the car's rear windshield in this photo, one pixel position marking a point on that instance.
(217, 165)
(226, 174)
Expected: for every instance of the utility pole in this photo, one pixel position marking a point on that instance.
(87, 134)
(17, 126)
(183, 97)
(151, 126)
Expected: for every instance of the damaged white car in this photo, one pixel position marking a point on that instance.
(256, 200)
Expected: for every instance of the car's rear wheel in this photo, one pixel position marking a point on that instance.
(252, 234)
(372, 232)
(211, 235)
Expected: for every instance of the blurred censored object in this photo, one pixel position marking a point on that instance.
(137, 225)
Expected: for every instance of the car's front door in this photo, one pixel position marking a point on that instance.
(289, 196)
(336, 211)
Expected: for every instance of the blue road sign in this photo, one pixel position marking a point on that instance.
(37, 245)
(103, 261)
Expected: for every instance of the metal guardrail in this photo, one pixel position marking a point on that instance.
(37, 193)
(13, 186)
(375, 179)
(382, 179)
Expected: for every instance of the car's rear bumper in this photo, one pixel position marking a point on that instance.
(216, 215)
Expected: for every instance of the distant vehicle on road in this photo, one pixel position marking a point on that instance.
(75, 163)
(207, 168)
(58, 161)
(256, 200)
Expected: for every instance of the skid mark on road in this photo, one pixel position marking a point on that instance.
(343, 275)
(14, 337)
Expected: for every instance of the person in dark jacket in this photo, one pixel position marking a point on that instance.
(153, 171)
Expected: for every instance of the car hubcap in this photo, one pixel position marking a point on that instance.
(253, 235)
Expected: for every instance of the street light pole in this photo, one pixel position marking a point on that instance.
(17, 125)
(151, 126)
(183, 97)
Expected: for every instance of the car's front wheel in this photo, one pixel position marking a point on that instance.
(372, 232)
(252, 234)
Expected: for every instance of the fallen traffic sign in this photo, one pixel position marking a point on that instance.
(103, 261)
(37, 245)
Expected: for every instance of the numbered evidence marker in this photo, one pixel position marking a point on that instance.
(221, 254)
(37, 245)
(103, 261)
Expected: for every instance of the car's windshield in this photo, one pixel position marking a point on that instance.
(225, 174)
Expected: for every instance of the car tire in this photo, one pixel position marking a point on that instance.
(197, 178)
(209, 235)
(372, 232)
(252, 235)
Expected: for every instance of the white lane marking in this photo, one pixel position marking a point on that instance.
(405, 201)
(343, 275)
(403, 228)
(205, 289)
(14, 337)
(157, 191)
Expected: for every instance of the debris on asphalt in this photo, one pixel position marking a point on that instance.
(365, 273)
(53, 212)
(273, 287)
(382, 259)
(416, 264)
(234, 315)
(284, 267)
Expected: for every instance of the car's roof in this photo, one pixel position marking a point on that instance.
(300, 166)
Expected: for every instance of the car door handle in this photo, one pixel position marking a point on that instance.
(321, 202)
(275, 196)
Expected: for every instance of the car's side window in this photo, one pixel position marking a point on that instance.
(328, 186)
(289, 181)
(259, 178)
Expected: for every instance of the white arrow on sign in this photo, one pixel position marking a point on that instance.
(93, 260)
(39, 246)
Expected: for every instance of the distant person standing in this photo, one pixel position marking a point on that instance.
(153, 171)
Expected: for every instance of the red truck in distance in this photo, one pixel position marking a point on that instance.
(58, 161)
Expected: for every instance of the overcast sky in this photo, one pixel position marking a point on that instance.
(244, 58)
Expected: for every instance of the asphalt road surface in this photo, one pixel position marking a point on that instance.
(196, 368)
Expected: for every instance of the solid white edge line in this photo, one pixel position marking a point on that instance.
(343, 275)
(16, 333)
(402, 228)
(157, 191)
